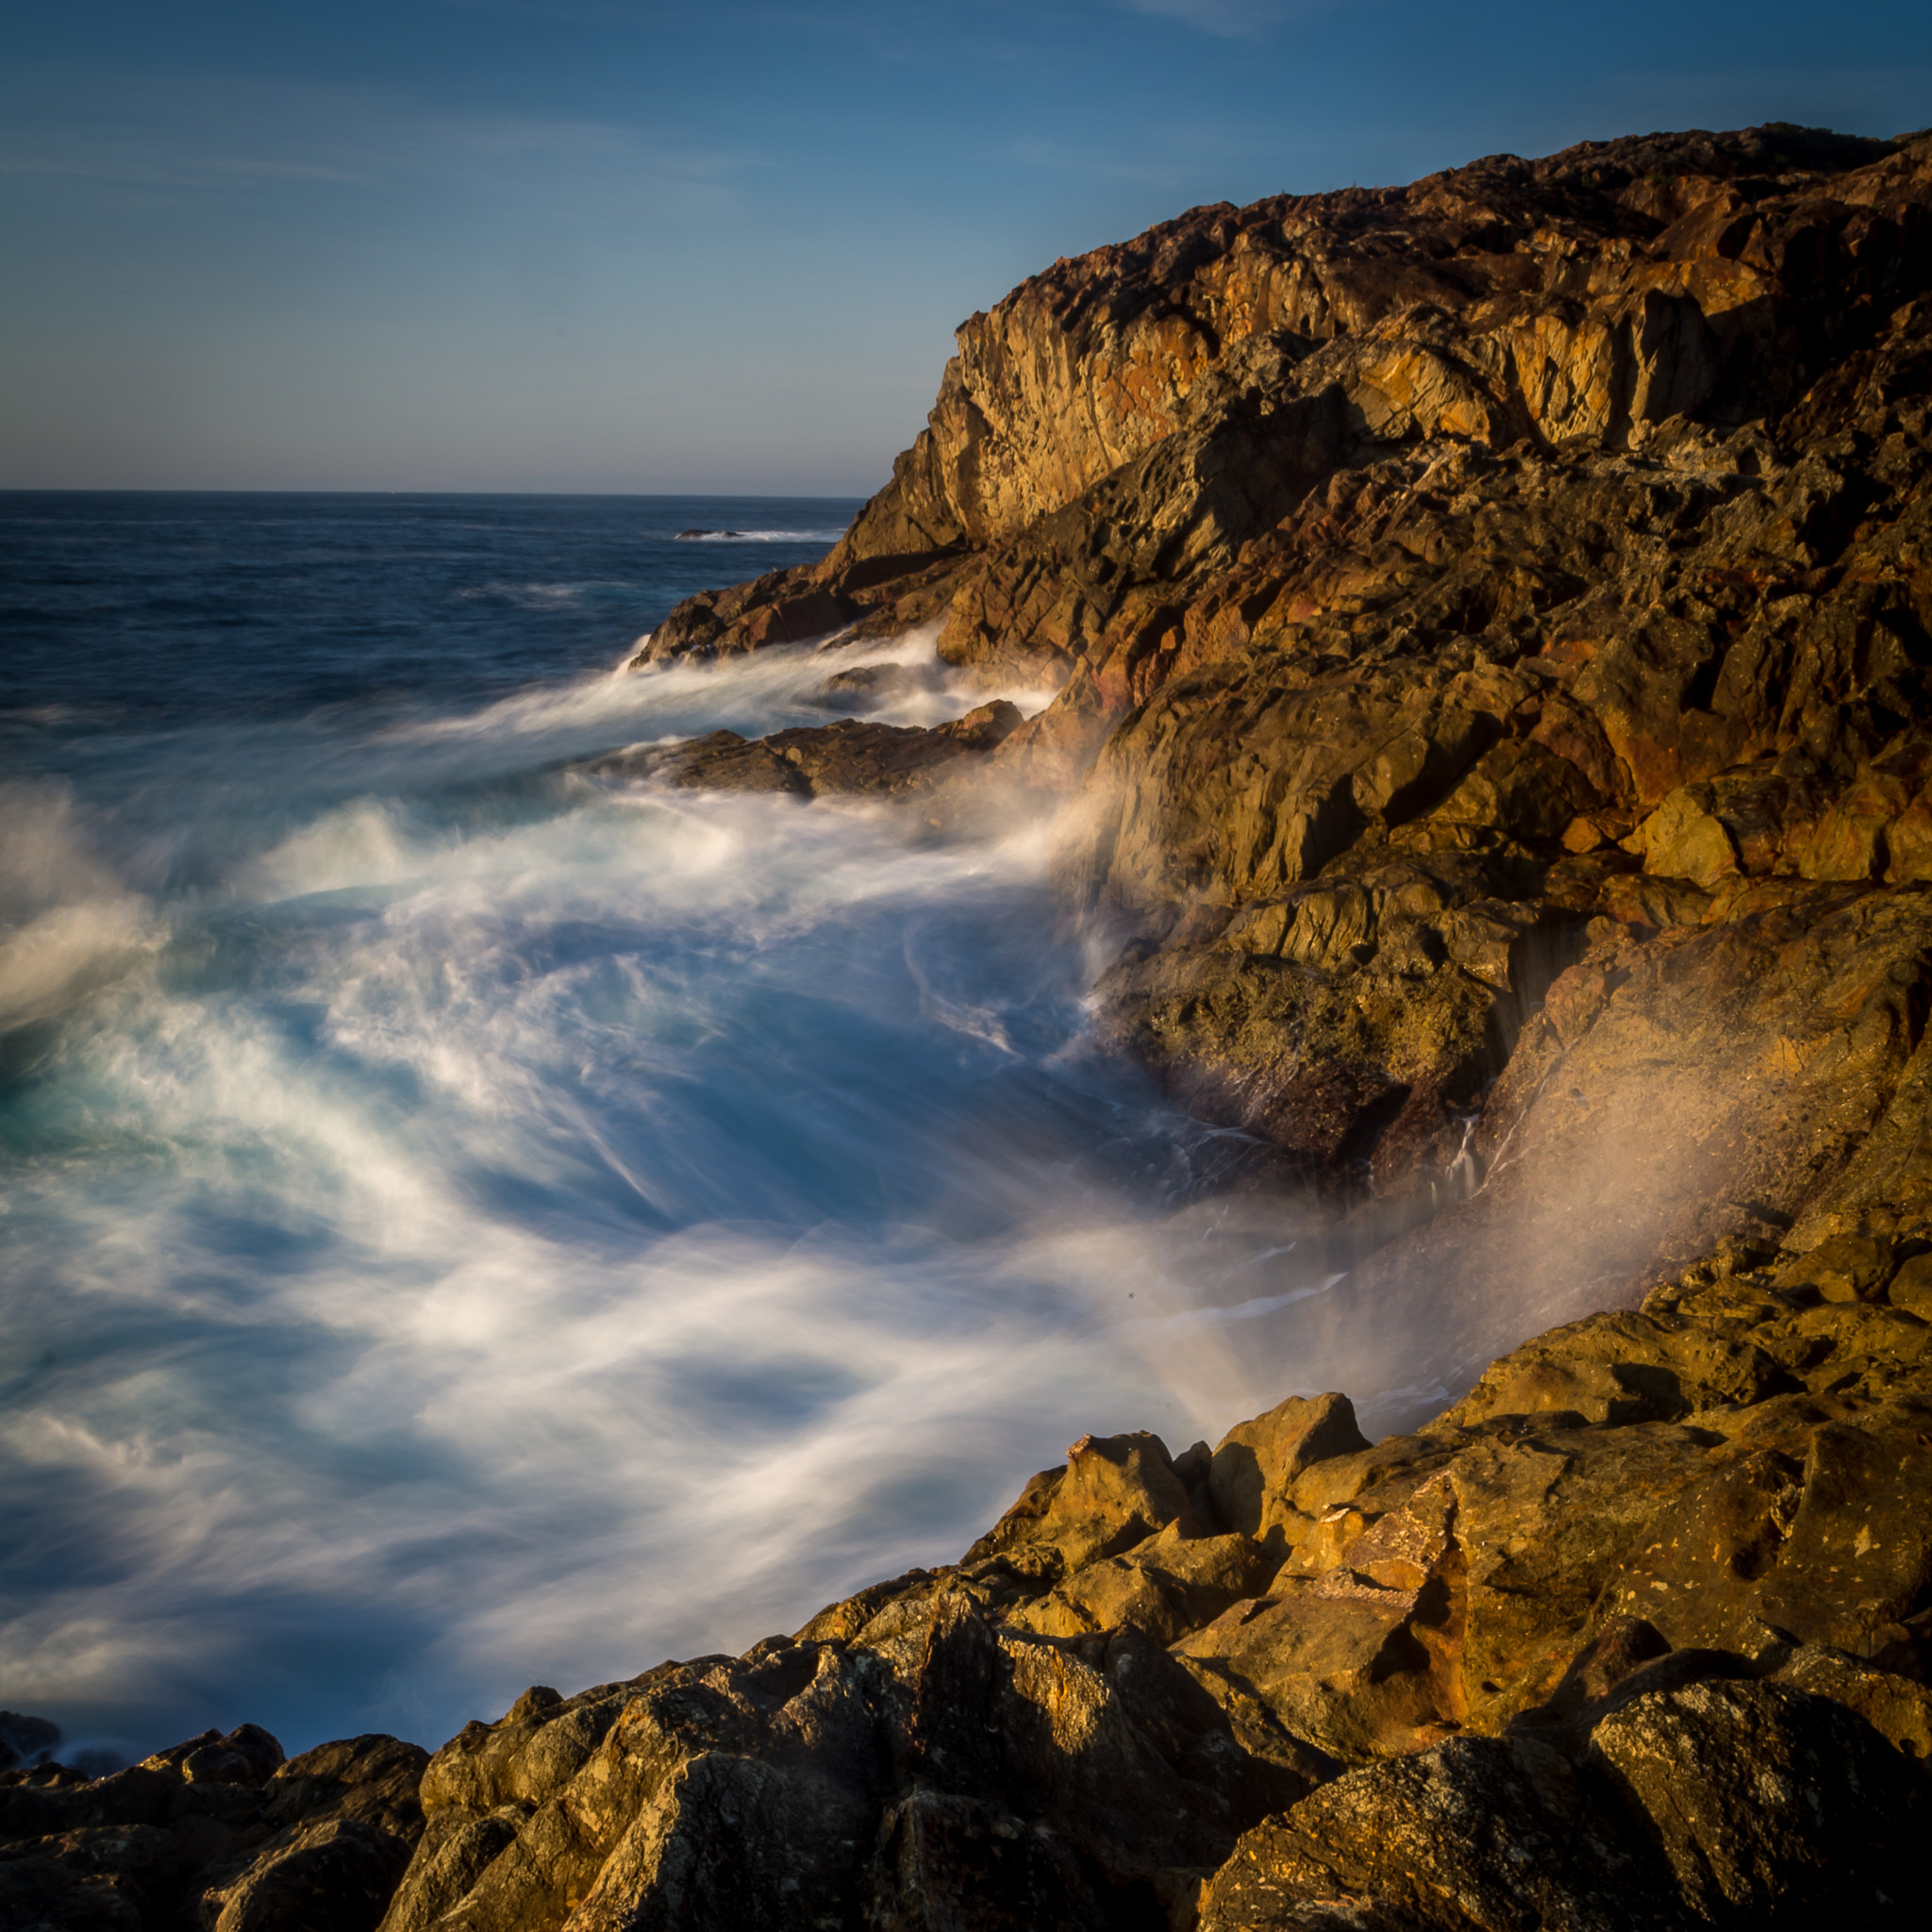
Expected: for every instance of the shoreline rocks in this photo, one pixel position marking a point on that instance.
(1638, 1632)
(1448, 585)
(1492, 620)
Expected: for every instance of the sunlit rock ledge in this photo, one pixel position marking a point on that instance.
(1491, 622)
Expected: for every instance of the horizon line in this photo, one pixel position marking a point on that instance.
(286, 489)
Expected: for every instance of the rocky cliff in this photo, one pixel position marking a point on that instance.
(1491, 621)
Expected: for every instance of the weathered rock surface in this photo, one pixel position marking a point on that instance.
(853, 755)
(218, 1833)
(1636, 1634)
(1493, 623)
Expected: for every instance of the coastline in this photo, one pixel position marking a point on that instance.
(1490, 619)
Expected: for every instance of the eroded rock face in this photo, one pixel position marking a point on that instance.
(1586, 1650)
(1584, 296)
(1635, 1634)
(939, 1765)
(1494, 619)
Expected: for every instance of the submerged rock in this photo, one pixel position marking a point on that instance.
(811, 761)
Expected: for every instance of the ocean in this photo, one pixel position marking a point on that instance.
(468, 1224)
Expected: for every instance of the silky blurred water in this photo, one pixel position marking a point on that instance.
(467, 1224)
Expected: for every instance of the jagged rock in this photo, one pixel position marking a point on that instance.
(1256, 1463)
(1583, 1650)
(1441, 577)
(246, 1755)
(1897, 1707)
(1623, 1368)
(1111, 1492)
(1494, 619)
(1910, 1289)
(948, 1764)
(1769, 1807)
(1843, 1268)
(810, 760)
(217, 1832)
(1719, 1802)
(1476, 1835)
(1166, 1585)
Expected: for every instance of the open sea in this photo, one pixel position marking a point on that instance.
(464, 1224)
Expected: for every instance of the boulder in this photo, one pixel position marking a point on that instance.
(1166, 1585)
(1769, 1808)
(1474, 1835)
(1112, 1493)
(852, 756)
(1256, 1465)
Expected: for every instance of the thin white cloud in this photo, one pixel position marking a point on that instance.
(1226, 19)
(192, 134)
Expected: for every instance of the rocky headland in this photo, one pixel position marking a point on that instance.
(1493, 622)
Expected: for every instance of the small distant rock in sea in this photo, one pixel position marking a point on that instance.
(692, 535)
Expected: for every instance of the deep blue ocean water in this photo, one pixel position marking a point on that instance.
(466, 1223)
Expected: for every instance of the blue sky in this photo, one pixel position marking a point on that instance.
(721, 244)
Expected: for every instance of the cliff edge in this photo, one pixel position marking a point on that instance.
(1490, 619)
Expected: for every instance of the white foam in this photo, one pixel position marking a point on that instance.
(67, 925)
(764, 537)
(549, 1243)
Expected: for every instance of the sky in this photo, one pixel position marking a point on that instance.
(716, 245)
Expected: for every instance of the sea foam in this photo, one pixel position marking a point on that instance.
(477, 1223)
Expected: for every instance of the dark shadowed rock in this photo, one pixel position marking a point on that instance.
(25, 1740)
(1476, 1835)
(1768, 1806)
(950, 1768)
(216, 1832)
(815, 760)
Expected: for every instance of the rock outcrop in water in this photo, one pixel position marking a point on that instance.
(1494, 619)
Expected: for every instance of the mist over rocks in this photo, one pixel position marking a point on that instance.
(853, 755)
(1492, 620)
